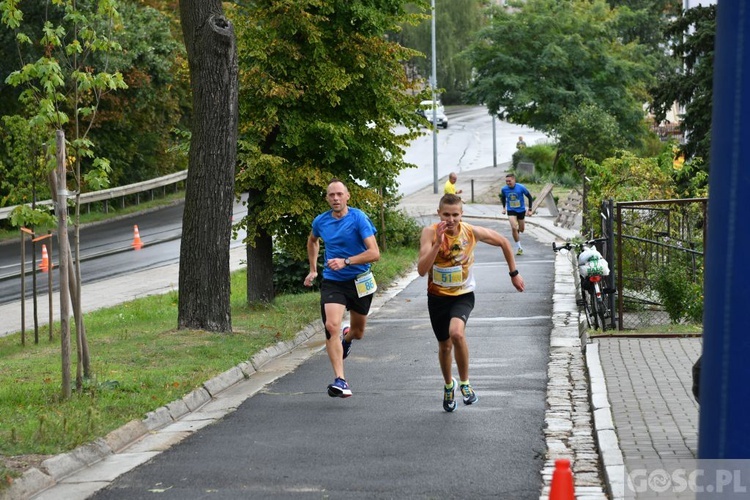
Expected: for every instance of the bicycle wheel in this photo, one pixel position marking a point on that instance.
(594, 311)
(587, 309)
(601, 310)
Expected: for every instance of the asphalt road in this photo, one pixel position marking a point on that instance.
(392, 439)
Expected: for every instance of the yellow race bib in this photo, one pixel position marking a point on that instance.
(448, 276)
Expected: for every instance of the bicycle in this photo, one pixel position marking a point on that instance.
(592, 267)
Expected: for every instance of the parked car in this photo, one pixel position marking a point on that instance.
(425, 109)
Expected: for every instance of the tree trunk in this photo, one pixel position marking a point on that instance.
(83, 367)
(61, 209)
(204, 284)
(260, 269)
(84, 358)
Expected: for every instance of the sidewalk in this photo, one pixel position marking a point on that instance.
(626, 400)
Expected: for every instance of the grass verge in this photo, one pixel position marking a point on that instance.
(687, 330)
(141, 362)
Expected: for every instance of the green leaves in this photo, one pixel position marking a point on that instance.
(24, 216)
(98, 177)
(543, 60)
(321, 90)
(68, 81)
(11, 14)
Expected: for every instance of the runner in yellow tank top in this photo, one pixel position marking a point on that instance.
(446, 255)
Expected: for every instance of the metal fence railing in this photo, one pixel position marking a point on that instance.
(121, 192)
(647, 236)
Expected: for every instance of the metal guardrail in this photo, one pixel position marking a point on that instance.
(117, 192)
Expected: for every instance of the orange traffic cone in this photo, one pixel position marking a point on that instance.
(562, 481)
(137, 243)
(44, 264)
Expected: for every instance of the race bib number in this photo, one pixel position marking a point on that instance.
(515, 204)
(365, 284)
(447, 276)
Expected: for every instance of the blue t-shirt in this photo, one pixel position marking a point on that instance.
(343, 238)
(514, 198)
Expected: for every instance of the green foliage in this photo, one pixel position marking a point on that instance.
(541, 155)
(690, 83)
(157, 100)
(626, 177)
(321, 91)
(23, 166)
(289, 273)
(541, 60)
(24, 215)
(92, 49)
(682, 296)
(691, 179)
(63, 86)
(399, 228)
(548, 167)
(589, 131)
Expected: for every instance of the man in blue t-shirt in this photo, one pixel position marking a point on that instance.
(350, 247)
(512, 199)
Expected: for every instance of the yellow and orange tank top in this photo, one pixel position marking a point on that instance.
(451, 273)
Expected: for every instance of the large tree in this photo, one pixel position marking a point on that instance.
(322, 89)
(691, 37)
(204, 285)
(540, 60)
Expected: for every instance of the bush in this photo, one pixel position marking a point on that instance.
(681, 295)
(401, 230)
(541, 155)
(289, 273)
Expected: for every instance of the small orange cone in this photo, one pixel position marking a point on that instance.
(137, 243)
(562, 481)
(44, 264)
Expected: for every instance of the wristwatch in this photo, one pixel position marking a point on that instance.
(513, 274)
(347, 261)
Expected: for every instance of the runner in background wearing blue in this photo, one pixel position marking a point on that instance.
(512, 199)
(348, 283)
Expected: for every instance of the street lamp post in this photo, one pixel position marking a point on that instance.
(433, 84)
(494, 142)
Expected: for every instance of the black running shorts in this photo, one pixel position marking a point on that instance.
(345, 293)
(443, 309)
(520, 215)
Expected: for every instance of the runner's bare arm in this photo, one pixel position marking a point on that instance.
(429, 245)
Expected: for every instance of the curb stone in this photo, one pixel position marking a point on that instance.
(568, 428)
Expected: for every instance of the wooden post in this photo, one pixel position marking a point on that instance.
(62, 237)
(49, 289)
(23, 284)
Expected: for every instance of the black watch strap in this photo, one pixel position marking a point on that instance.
(513, 274)
(347, 261)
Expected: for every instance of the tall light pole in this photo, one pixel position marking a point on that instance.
(494, 142)
(433, 84)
